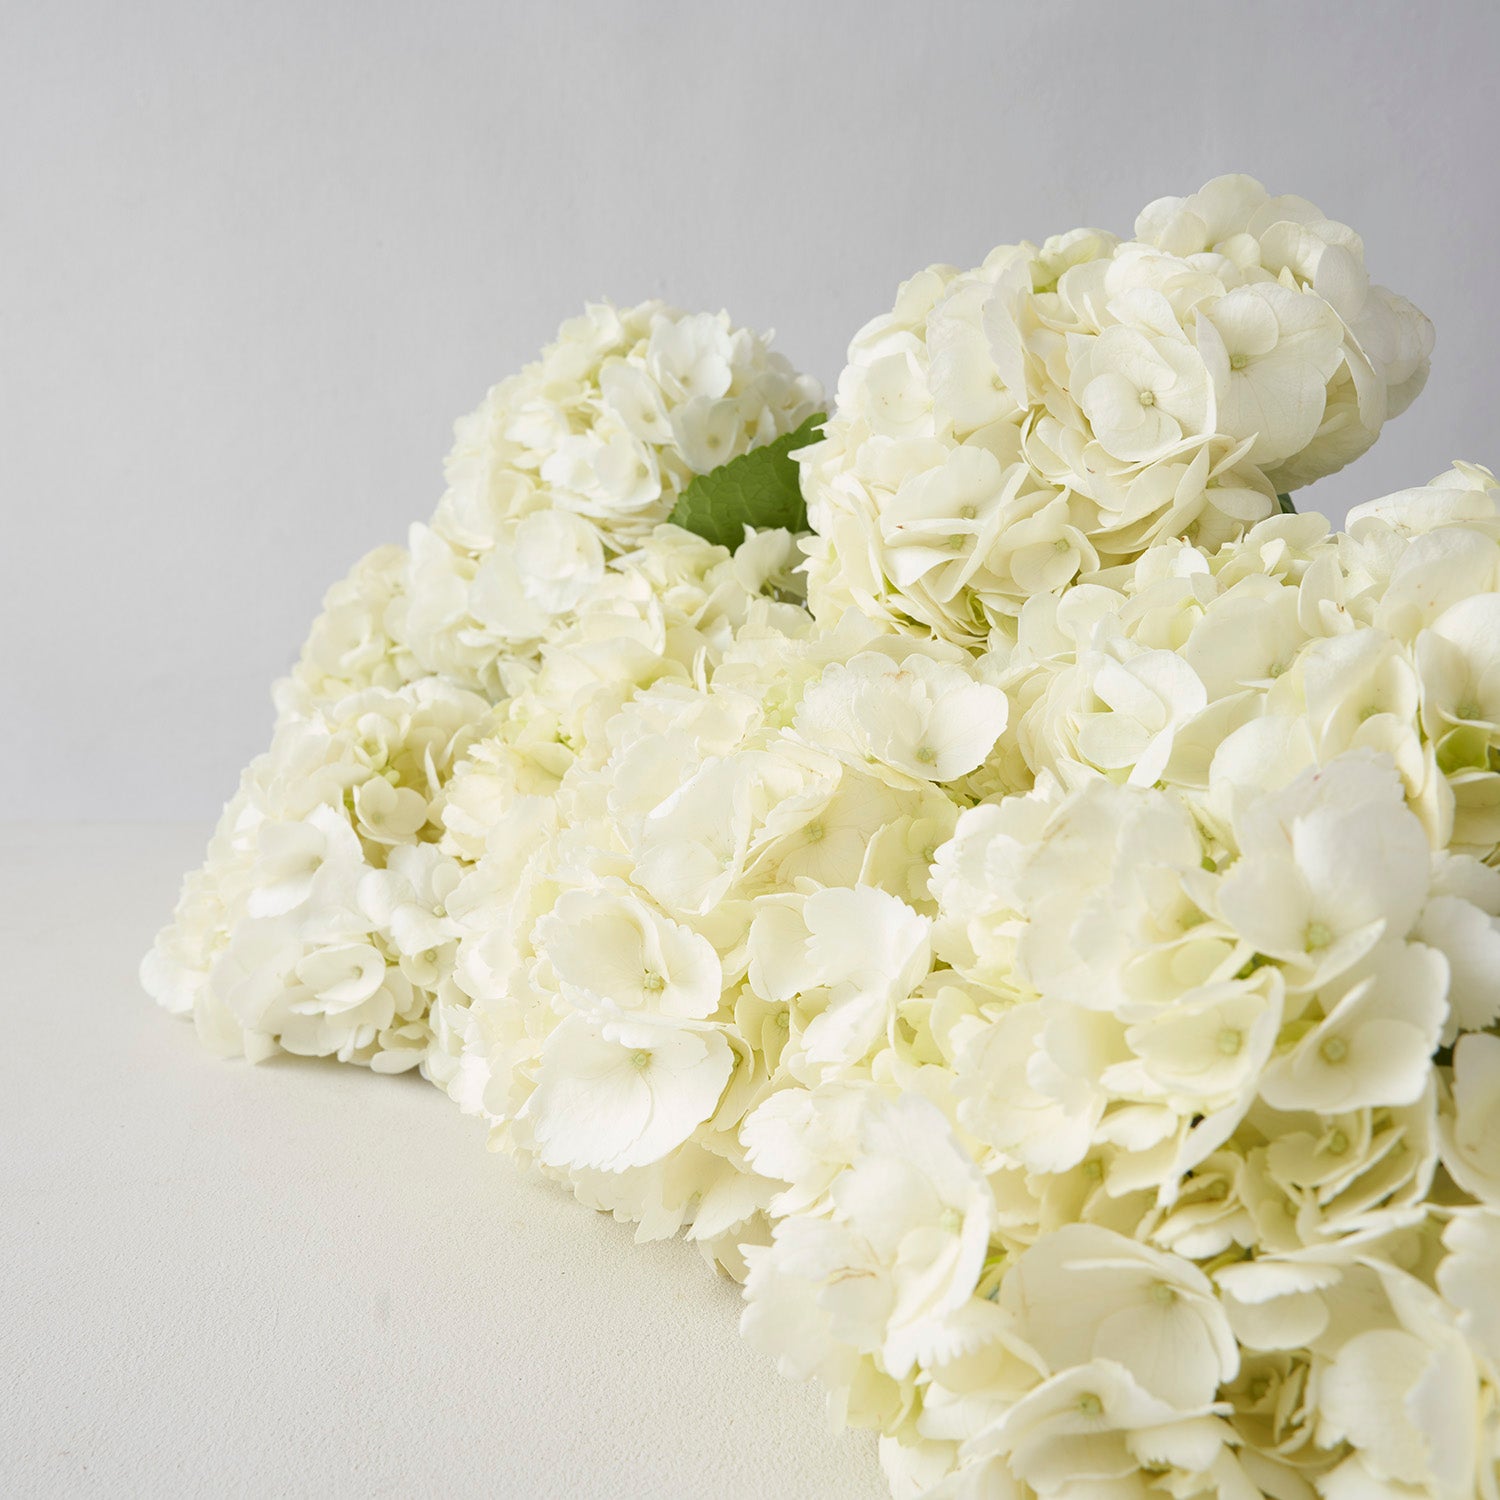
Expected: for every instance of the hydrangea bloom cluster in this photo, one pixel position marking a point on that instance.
(317, 924)
(723, 899)
(564, 468)
(1183, 1167)
(1059, 973)
(1004, 430)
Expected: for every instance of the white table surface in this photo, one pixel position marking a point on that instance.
(303, 1279)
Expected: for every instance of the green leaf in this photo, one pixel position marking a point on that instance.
(1285, 502)
(760, 488)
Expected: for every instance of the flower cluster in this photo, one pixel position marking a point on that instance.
(1193, 1134)
(318, 922)
(725, 898)
(576, 460)
(1005, 430)
(1059, 972)
(564, 468)
(313, 923)
(333, 837)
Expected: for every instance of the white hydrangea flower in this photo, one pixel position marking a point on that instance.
(564, 467)
(575, 461)
(544, 583)
(1146, 700)
(1007, 430)
(1091, 1427)
(607, 947)
(615, 1091)
(359, 639)
(1086, 1293)
(600, 420)
(325, 935)
(658, 890)
(1374, 1044)
(851, 954)
(899, 1257)
(1326, 868)
(407, 898)
(1405, 1396)
(918, 718)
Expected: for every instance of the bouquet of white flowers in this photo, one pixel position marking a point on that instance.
(1056, 966)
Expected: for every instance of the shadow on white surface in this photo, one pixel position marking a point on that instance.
(301, 1279)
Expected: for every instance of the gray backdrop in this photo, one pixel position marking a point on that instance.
(255, 259)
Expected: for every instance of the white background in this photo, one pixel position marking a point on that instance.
(254, 259)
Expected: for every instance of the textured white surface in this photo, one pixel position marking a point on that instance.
(302, 1279)
(255, 259)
